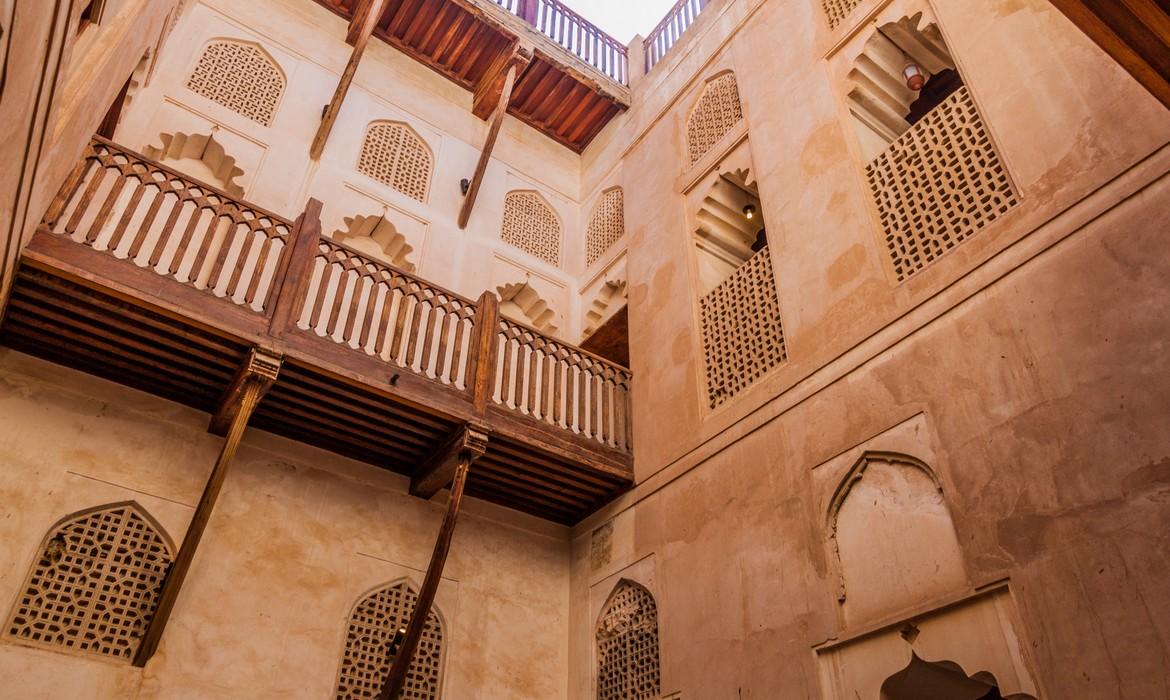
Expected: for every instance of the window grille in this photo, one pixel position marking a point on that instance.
(95, 584)
(627, 646)
(240, 77)
(938, 184)
(373, 624)
(607, 226)
(742, 335)
(837, 10)
(532, 226)
(716, 113)
(393, 154)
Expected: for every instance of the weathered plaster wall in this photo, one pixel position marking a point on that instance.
(1030, 355)
(298, 535)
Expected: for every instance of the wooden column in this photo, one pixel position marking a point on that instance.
(481, 367)
(373, 13)
(291, 282)
(1136, 33)
(469, 444)
(250, 383)
(498, 84)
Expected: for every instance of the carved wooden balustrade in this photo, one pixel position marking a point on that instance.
(163, 283)
(575, 34)
(664, 36)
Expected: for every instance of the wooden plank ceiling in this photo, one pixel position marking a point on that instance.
(463, 47)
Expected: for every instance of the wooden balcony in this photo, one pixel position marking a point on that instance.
(573, 84)
(143, 276)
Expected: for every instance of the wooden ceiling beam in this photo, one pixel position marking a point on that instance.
(369, 21)
(1136, 33)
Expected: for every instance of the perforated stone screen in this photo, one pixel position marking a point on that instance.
(716, 112)
(393, 154)
(532, 226)
(607, 226)
(240, 77)
(837, 10)
(742, 335)
(95, 583)
(627, 647)
(366, 660)
(938, 184)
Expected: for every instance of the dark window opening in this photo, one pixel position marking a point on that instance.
(937, 89)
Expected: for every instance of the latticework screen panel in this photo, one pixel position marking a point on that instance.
(742, 335)
(532, 226)
(393, 154)
(240, 77)
(95, 585)
(607, 226)
(837, 10)
(627, 647)
(366, 661)
(717, 111)
(938, 184)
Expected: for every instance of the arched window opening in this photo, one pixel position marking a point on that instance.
(95, 583)
(628, 660)
(531, 225)
(924, 680)
(396, 156)
(606, 226)
(375, 629)
(933, 170)
(201, 157)
(377, 237)
(730, 228)
(716, 113)
(521, 302)
(892, 539)
(240, 76)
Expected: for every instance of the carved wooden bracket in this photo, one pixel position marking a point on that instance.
(260, 367)
(467, 443)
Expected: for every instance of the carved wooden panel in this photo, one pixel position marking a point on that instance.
(837, 10)
(938, 184)
(627, 646)
(393, 154)
(240, 77)
(531, 225)
(742, 335)
(96, 583)
(368, 638)
(716, 112)
(607, 226)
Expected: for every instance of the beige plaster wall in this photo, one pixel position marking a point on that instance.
(298, 535)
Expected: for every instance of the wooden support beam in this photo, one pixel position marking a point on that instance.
(1136, 33)
(369, 21)
(467, 443)
(426, 595)
(357, 21)
(481, 363)
(291, 282)
(517, 60)
(257, 375)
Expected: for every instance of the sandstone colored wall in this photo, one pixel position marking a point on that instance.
(297, 537)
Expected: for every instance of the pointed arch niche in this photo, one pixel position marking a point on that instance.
(532, 225)
(714, 115)
(891, 538)
(521, 302)
(370, 637)
(396, 155)
(628, 657)
(201, 157)
(94, 582)
(377, 237)
(241, 76)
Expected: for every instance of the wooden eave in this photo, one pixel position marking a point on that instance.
(557, 94)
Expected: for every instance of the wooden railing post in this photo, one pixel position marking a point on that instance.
(290, 284)
(481, 365)
(527, 10)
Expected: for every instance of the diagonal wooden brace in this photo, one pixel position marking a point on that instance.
(466, 443)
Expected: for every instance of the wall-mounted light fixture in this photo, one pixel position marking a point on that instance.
(464, 185)
(749, 211)
(914, 76)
